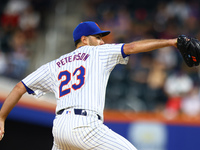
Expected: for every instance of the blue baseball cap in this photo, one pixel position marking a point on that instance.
(88, 28)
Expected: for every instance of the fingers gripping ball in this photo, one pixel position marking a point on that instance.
(189, 49)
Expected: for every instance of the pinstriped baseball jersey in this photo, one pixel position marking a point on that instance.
(78, 79)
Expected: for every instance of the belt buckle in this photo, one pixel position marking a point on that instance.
(84, 112)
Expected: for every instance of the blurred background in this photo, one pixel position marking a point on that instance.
(157, 83)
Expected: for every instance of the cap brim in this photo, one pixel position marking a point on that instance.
(103, 33)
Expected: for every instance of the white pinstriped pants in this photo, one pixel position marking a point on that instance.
(76, 132)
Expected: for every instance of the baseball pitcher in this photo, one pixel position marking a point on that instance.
(79, 79)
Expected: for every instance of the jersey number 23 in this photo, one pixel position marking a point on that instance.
(80, 76)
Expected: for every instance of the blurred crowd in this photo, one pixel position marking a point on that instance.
(20, 21)
(154, 81)
(157, 81)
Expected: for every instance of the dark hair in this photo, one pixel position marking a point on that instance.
(77, 41)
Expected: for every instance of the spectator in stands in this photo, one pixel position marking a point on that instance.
(18, 59)
(177, 86)
(190, 104)
(29, 21)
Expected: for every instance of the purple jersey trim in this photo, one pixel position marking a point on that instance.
(122, 51)
(28, 89)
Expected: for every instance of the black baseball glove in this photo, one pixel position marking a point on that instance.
(189, 49)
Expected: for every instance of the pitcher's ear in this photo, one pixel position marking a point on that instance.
(84, 40)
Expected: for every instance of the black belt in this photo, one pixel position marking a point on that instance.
(82, 112)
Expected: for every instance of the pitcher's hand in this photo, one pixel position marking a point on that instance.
(1, 129)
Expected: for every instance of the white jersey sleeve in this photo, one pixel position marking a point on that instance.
(39, 82)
